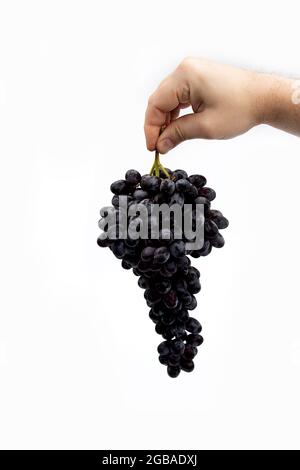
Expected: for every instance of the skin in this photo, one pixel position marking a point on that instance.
(226, 102)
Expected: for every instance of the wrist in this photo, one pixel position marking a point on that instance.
(272, 97)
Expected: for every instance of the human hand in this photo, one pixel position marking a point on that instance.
(226, 101)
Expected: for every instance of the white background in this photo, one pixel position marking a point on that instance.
(78, 361)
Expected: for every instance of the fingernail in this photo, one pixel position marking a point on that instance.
(165, 145)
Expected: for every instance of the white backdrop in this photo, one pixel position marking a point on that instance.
(78, 361)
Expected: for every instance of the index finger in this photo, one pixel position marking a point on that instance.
(163, 100)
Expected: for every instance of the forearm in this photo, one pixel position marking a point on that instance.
(278, 103)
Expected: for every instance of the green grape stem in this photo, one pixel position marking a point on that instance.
(157, 166)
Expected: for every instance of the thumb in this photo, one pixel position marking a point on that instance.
(190, 126)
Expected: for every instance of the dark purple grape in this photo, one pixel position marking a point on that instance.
(177, 346)
(150, 183)
(177, 248)
(152, 297)
(159, 328)
(163, 360)
(192, 304)
(171, 299)
(183, 263)
(202, 200)
(206, 249)
(183, 186)
(167, 187)
(192, 193)
(163, 175)
(193, 326)
(168, 319)
(163, 287)
(177, 198)
(147, 253)
(219, 219)
(119, 187)
(178, 331)
(195, 287)
(133, 177)
(139, 195)
(210, 227)
(118, 248)
(173, 360)
(103, 241)
(194, 340)
(115, 201)
(180, 286)
(189, 352)
(208, 193)
(218, 241)
(173, 371)
(187, 366)
(163, 348)
(197, 180)
(143, 282)
(161, 255)
(183, 316)
(125, 264)
(179, 174)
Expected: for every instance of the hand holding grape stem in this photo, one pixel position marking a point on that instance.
(226, 102)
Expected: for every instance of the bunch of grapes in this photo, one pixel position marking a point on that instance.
(162, 264)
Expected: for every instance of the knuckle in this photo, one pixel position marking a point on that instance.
(187, 64)
(184, 94)
(179, 135)
(152, 99)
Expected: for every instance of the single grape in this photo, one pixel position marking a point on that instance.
(183, 185)
(177, 346)
(161, 255)
(167, 187)
(163, 348)
(218, 241)
(139, 195)
(209, 193)
(133, 177)
(194, 340)
(125, 264)
(173, 371)
(177, 248)
(193, 326)
(187, 366)
(179, 174)
(147, 253)
(197, 180)
(150, 183)
(143, 282)
(119, 187)
(163, 360)
(173, 360)
(189, 352)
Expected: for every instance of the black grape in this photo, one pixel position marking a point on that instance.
(162, 263)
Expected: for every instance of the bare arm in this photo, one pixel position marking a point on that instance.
(226, 102)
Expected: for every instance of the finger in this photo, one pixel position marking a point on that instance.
(175, 113)
(164, 100)
(190, 126)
